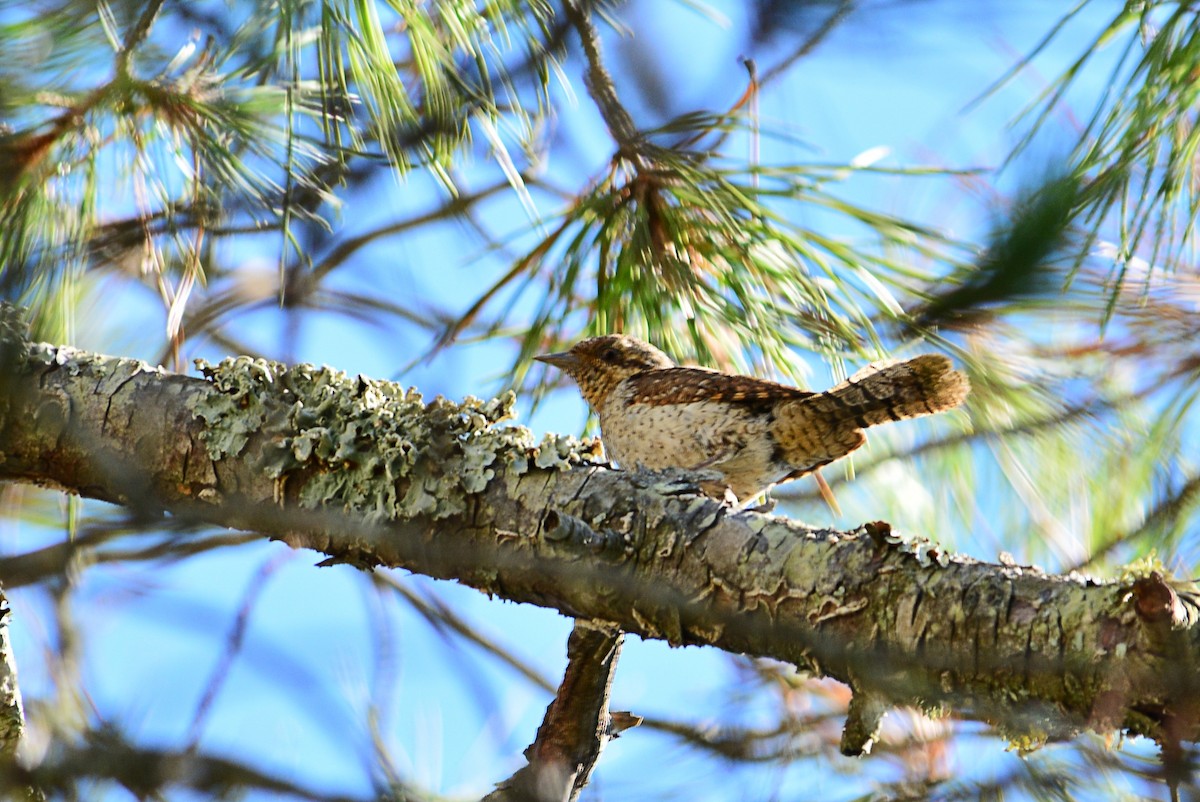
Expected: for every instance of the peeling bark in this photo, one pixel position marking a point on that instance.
(900, 620)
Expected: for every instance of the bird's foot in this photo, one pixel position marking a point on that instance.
(680, 481)
(765, 505)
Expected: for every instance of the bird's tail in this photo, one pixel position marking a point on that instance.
(895, 390)
(826, 426)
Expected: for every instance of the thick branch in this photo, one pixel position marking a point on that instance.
(368, 474)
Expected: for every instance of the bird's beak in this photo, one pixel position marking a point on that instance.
(563, 360)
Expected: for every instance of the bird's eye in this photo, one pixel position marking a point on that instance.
(609, 354)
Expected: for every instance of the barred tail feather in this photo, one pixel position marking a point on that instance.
(827, 426)
(891, 391)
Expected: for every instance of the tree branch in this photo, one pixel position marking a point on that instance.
(600, 83)
(12, 715)
(369, 474)
(576, 726)
(834, 19)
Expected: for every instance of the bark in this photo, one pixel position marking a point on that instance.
(12, 715)
(577, 724)
(367, 473)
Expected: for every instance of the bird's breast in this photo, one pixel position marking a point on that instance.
(717, 435)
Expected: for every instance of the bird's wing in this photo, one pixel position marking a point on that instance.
(688, 385)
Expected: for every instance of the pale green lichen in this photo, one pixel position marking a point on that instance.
(371, 446)
(560, 452)
(1026, 743)
(1144, 567)
(237, 410)
(115, 369)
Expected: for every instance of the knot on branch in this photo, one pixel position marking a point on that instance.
(574, 533)
(1156, 601)
(863, 718)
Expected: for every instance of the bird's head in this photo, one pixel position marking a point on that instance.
(599, 364)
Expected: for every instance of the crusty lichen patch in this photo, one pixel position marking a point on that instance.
(369, 446)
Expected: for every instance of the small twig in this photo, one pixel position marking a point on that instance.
(233, 647)
(441, 616)
(832, 21)
(1161, 515)
(138, 33)
(448, 211)
(577, 723)
(49, 562)
(600, 84)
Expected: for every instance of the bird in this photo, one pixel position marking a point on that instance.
(747, 434)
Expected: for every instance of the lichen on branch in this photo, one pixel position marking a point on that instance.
(370, 446)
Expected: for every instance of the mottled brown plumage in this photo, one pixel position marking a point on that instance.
(755, 433)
